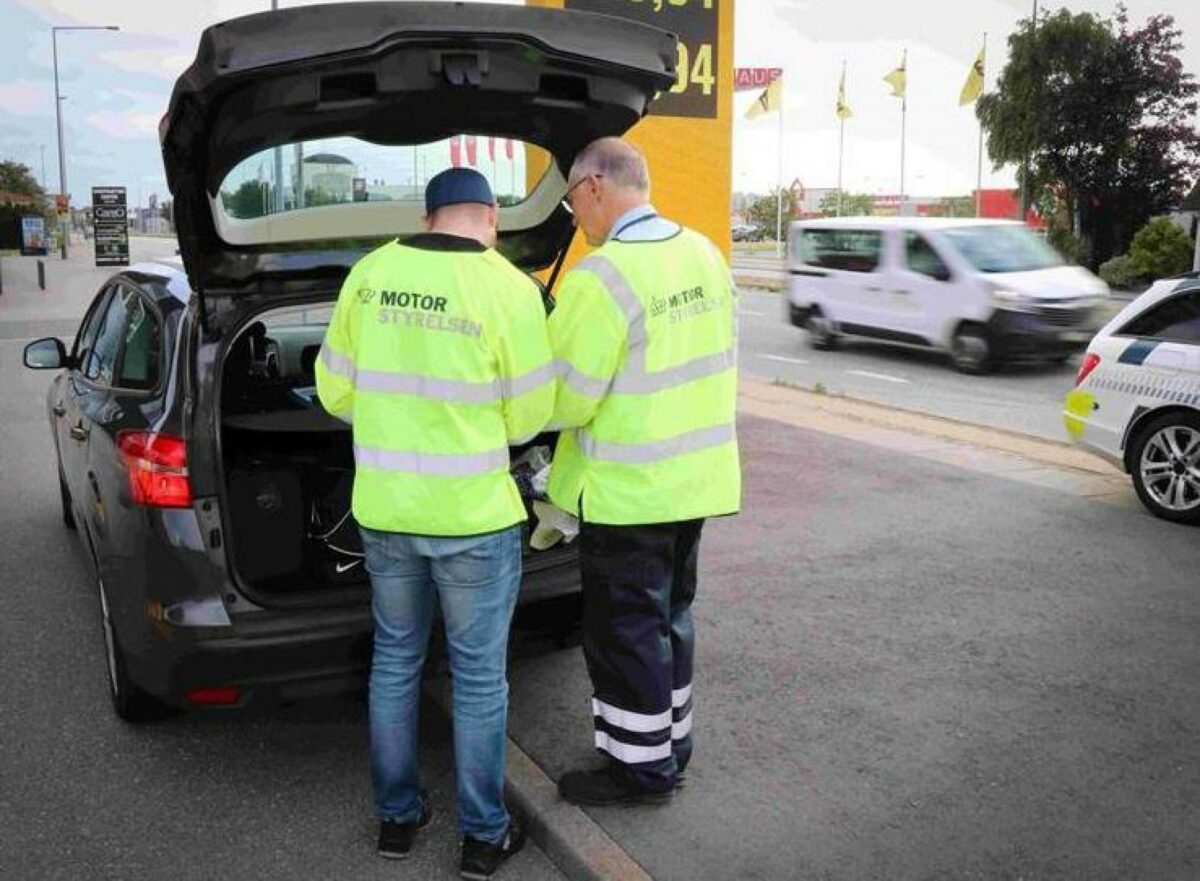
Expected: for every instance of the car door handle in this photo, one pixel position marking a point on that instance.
(58, 410)
(901, 291)
(873, 290)
(79, 433)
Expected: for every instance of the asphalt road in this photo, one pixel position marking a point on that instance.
(906, 670)
(1025, 398)
(281, 793)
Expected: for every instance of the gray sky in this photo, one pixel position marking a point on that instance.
(117, 85)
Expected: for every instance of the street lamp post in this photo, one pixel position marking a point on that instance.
(62, 161)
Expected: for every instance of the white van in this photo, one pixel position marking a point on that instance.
(985, 291)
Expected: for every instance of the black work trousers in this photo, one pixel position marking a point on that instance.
(638, 586)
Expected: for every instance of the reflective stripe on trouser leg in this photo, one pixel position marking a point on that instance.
(683, 637)
(626, 622)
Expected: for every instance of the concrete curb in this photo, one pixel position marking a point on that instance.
(573, 841)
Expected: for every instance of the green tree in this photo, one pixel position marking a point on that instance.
(763, 212)
(853, 204)
(1103, 112)
(18, 180)
(953, 206)
(1160, 250)
(248, 200)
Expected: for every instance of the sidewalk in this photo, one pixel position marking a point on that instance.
(25, 310)
(925, 649)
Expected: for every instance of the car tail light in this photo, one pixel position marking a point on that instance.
(1090, 362)
(157, 466)
(220, 696)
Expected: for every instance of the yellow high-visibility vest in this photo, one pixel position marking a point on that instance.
(437, 354)
(645, 341)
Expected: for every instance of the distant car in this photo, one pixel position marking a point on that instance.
(1136, 401)
(746, 232)
(209, 489)
(985, 291)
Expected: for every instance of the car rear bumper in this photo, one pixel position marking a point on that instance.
(273, 656)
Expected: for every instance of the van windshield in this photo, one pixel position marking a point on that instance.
(1002, 248)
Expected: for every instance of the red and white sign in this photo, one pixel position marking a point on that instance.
(747, 78)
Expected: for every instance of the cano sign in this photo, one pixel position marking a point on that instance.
(110, 221)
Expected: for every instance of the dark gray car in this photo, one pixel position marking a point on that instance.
(209, 489)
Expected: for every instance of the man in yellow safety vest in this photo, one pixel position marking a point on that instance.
(437, 354)
(644, 340)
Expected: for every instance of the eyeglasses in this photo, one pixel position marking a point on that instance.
(566, 201)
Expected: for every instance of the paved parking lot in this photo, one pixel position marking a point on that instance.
(906, 669)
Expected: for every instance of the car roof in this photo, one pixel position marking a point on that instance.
(903, 222)
(169, 271)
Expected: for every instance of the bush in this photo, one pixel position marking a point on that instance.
(1118, 275)
(1066, 243)
(1160, 250)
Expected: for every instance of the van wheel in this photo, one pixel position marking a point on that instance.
(971, 351)
(1165, 465)
(64, 497)
(821, 334)
(129, 702)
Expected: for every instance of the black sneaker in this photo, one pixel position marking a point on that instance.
(611, 785)
(396, 839)
(481, 859)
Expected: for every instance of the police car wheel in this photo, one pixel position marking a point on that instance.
(971, 350)
(1165, 465)
(821, 334)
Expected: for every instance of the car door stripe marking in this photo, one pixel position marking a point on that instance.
(1137, 352)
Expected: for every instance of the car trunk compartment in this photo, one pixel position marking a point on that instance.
(287, 471)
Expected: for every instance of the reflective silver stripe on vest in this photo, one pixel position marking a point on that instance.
(516, 386)
(656, 451)
(337, 363)
(456, 391)
(578, 381)
(697, 368)
(629, 304)
(444, 464)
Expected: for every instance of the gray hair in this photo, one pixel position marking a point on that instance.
(616, 161)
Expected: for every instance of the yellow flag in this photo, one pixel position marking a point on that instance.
(843, 109)
(973, 87)
(898, 79)
(769, 101)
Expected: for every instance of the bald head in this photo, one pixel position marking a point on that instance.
(620, 164)
(607, 179)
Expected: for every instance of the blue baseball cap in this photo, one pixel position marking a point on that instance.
(455, 186)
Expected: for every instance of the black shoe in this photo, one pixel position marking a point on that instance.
(396, 839)
(612, 785)
(480, 859)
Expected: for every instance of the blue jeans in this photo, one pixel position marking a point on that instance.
(475, 581)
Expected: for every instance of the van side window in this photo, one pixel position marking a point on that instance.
(851, 250)
(920, 257)
(1177, 321)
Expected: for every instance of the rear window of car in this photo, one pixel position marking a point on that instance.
(298, 191)
(1176, 320)
(850, 250)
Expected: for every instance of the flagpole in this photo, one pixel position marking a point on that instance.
(841, 139)
(779, 193)
(903, 126)
(979, 162)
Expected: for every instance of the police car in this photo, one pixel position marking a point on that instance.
(1136, 400)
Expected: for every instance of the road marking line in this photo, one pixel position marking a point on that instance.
(784, 359)
(883, 376)
(750, 312)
